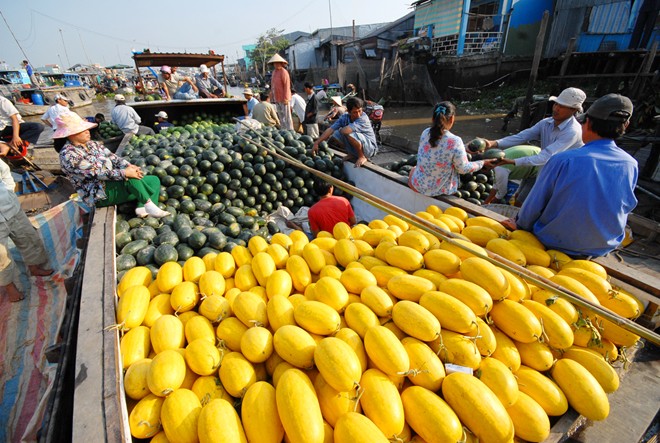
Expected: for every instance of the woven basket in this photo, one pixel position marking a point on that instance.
(505, 210)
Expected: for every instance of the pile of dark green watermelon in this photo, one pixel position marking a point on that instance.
(218, 188)
(473, 188)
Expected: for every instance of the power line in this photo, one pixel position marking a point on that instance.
(65, 51)
(15, 39)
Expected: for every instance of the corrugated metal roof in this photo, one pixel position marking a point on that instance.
(611, 18)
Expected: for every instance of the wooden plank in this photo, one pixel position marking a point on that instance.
(646, 282)
(88, 410)
(114, 401)
(633, 406)
(590, 76)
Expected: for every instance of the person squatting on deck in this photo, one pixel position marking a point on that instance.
(280, 87)
(12, 124)
(354, 133)
(100, 177)
(441, 156)
(265, 113)
(582, 197)
(15, 224)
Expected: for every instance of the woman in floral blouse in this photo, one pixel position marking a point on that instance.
(100, 177)
(441, 157)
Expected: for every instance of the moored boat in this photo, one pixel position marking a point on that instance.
(224, 107)
(31, 100)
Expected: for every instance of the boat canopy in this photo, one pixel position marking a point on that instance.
(147, 59)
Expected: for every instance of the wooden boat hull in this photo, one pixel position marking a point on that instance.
(226, 107)
(79, 96)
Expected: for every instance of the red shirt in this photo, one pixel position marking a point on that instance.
(329, 211)
(280, 86)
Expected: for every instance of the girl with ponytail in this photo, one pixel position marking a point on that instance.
(441, 156)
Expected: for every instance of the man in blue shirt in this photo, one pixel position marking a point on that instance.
(354, 133)
(30, 72)
(582, 197)
(162, 122)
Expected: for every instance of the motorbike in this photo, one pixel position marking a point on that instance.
(375, 113)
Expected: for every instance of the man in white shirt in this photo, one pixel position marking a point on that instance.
(298, 107)
(558, 133)
(60, 107)
(12, 124)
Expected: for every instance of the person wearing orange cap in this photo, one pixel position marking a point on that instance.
(280, 87)
(100, 177)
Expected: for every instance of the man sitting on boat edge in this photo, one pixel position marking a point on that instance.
(354, 133)
(176, 86)
(208, 87)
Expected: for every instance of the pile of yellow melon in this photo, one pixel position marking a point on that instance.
(367, 334)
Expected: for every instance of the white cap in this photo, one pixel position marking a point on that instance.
(59, 97)
(571, 98)
(203, 69)
(120, 98)
(162, 114)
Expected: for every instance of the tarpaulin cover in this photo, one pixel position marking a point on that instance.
(29, 327)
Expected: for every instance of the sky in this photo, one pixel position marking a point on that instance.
(73, 31)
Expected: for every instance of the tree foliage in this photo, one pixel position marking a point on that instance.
(268, 44)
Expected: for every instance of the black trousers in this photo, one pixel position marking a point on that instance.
(29, 131)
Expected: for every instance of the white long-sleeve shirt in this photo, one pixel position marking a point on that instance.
(298, 104)
(53, 112)
(567, 135)
(126, 118)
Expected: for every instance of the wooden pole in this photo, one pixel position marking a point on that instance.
(567, 56)
(645, 68)
(140, 79)
(540, 39)
(224, 77)
(382, 72)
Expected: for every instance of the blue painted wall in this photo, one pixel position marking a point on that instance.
(524, 24)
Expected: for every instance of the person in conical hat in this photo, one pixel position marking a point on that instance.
(337, 109)
(100, 177)
(280, 86)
